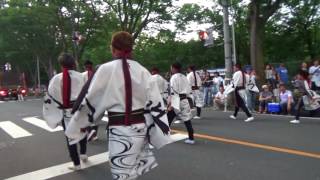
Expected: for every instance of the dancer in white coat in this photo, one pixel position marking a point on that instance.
(63, 90)
(195, 84)
(135, 108)
(240, 80)
(178, 105)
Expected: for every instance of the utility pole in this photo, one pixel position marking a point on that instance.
(227, 44)
(234, 57)
(38, 72)
(227, 40)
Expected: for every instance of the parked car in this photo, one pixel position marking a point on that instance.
(11, 93)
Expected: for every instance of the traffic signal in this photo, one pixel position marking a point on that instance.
(206, 37)
(7, 67)
(203, 35)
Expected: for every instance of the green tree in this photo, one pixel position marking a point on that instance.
(135, 15)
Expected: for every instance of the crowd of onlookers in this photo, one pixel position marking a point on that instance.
(278, 88)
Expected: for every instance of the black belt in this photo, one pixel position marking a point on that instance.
(239, 88)
(182, 96)
(118, 118)
(195, 87)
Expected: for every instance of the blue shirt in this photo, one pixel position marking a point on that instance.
(283, 74)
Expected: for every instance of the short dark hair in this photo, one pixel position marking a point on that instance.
(122, 41)
(88, 62)
(177, 66)
(66, 60)
(238, 65)
(304, 74)
(192, 67)
(282, 84)
(155, 69)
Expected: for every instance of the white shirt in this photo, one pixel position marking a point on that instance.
(284, 96)
(238, 79)
(220, 95)
(218, 81)
(192, 81)
(85, 76)
(179, 84)
(315, 72)
(162, 83)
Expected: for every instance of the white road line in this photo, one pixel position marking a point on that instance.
(14, 130)
(41, 123)
(62, 169)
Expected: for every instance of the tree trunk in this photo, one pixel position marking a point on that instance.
(256, 42)
(50, 68)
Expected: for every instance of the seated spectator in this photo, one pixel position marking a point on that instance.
(265, 98)
(219, 99)
(286, 99)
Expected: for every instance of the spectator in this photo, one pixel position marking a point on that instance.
(217, 82)
(286, 99)
(251, 90)
(265, 98)
(283, 73)
(304, 67)
(207, 84)
(269, 76)
(219, 99)
(315, 76)
(20, 93)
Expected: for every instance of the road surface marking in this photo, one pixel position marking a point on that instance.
(14, 130)
(254, 145)
(62, 169)
(41, 123)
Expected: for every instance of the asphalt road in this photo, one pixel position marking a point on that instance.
(269, 148)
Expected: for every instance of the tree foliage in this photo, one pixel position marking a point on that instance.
(270, 31)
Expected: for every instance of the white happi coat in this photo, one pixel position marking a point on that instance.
(52, 107)
(197, 95)
(129, 152)
(163, 86)
(85, 76)
(237, 79)
(179, 85)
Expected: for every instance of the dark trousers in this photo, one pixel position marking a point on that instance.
(299, 106)
(264, 105)
(198, 111)
(314, 87)
(171, 115)
(240, 104)
(73, 151)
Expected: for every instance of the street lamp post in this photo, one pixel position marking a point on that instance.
(38, 73)
(227, 40)
(77, 38)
